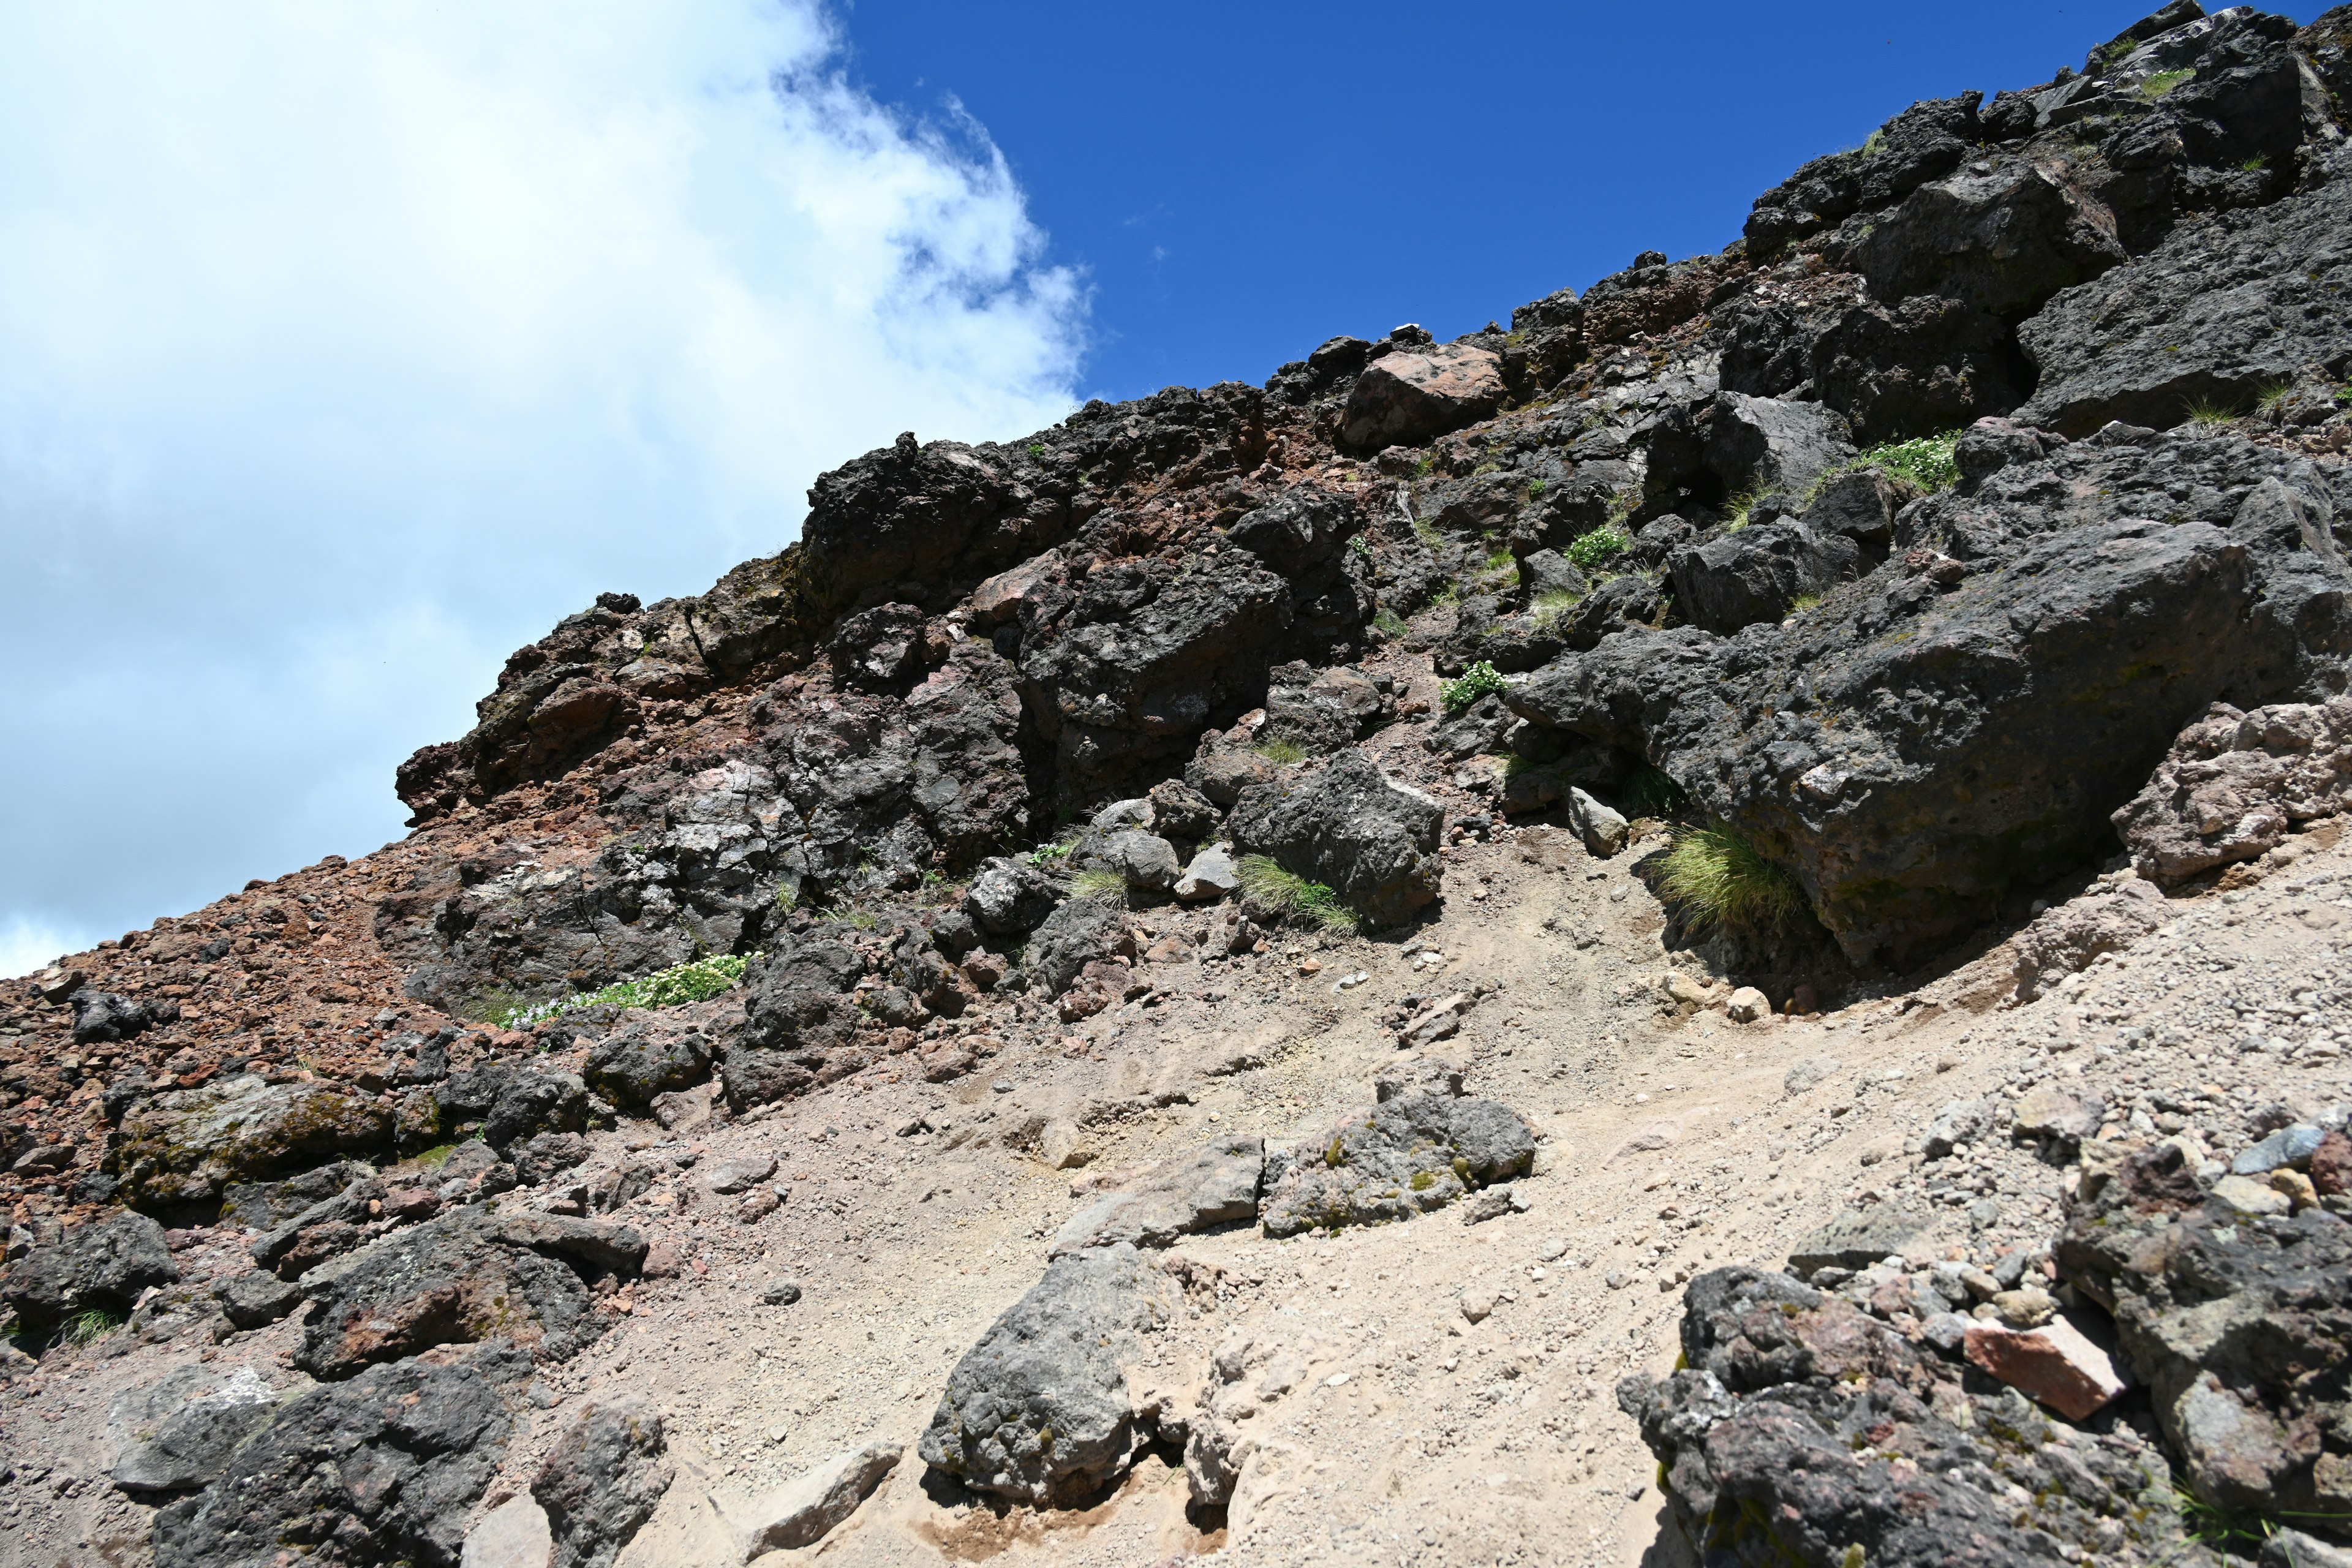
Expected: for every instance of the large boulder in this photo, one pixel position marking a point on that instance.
(1758, 574)
(187, 1146)
(2234, 784)
(378, 1471)
(1038, 1410)
(631, 1066)
(2217, 314)
(601, 1480)
(800, 1020)
(2238, 1330)
(1080, 932)
(1353, 829)
(2000, 242)
(1408, 1155)
(1761, 444)
(1213, 1186)
(460, 1280)
(1797, 1429)
(2045, 656)
(178, 1433)
(1406, 397)
(1011, 898)
(100, 1267)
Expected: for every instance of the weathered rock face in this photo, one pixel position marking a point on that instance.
(2234, 784)
(601, 1482)
(1758, 574)
(2239, 1326)
(1405, 1156)
(1080, 932)
(459, 1281)
(186, 1146)
(801, 1023)
(1349, 827)
(2217, 314)
(377, 1471)
(2061, 942)
(1406, 397)
(635, 1064)
(2047, 647)
(103, 1266)
(1803, 1430)
(1038, 1411)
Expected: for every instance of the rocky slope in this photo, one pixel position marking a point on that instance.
(1130, 995)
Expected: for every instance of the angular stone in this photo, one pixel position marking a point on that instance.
(1211, 876)
(2249, 1196)
(1406, 1156)
(2053, 1363)
(809, 1506)
(601, 1482)
(1603, 830)
(177, 1433)
(2048, 1113)
(1856, 1240)
(1215, 1186)
(1406, 397)
(1351, 827)
(102, 1266)
(2289, 1146)
(739, 1173)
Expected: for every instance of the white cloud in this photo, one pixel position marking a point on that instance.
(344, 348)
(27, 945)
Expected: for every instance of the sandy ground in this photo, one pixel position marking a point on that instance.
(1430, 1392)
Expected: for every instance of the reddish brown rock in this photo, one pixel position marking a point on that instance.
(2331, 1165)
(2054, 1364)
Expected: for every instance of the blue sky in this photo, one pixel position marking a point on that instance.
(1239, 182)
(343, 349)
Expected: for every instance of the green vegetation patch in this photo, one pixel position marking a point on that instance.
(698, 980)
(1591, 551)
(1265, 882)
(1716, 877)
(1481, 679)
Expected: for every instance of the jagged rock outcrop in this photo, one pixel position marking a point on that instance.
(2234, 784)
(1800, 1429)
(2050, 627)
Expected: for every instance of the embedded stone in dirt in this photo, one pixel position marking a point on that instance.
(1215, 1186)
(807, 1508)
(601, 1482)
(1404, 1157)
(1038, 1410)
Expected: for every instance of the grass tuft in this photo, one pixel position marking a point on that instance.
(1107, 886)
(1426, 531)
(2162, 82)
(1551, 609)
(89, 1326)
(2205, 413)
(2272, 397)
(1736, 511)
(1591, 551)
(1480, 679)
(1263, 881)
(1389, 623)
(1286, 752)
(1717, 878)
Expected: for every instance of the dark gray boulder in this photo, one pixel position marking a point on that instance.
(630, 1067)
(100, 1267)
(601, 1482)
(2217, 314)
(1410, 1155)
(177, 1433)
(1860, 506)
(1761, 444)
(1038, 1410)
(2000, 242)
(458, 1279)
(1758, 574)
(380, 1470)
(256, 1297)
(104, 1015)
(1350, 826)
(1079, 932)
(1011, 898)
(800, 1022)
(1801, 1430)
